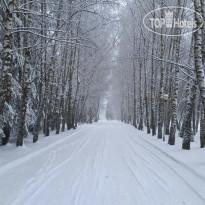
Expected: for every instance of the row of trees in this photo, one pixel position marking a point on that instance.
(52, 57)
(159, 80)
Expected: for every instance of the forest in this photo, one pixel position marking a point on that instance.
(61, 60)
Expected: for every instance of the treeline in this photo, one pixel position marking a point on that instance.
(51, 60)
(159, 80)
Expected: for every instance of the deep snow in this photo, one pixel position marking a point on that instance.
(106, 163)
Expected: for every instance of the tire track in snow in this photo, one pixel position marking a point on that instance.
(147, 164)
(104, 165)
(135, 167)
(177, 174)
(21, 161)
(152, 175)
(35, 186)
(121, 182)
(82, 182)
(95, 177)
(97, 167)
(179, 162)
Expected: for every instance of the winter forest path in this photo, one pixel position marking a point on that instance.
(107, 163)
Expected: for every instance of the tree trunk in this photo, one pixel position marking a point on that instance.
(134, 86)
(198, 52)
(174, 104)
(187, 131)
(146, 89)
(161, 94)
(5, 92)
(153, 127)
(202, 128)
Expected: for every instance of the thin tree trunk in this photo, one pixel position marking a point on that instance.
(153, 127)
(202, 128)
(161, 102)
(140, 127)
(146, 90)
(173, 127)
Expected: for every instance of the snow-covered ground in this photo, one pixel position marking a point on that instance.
(106, 163)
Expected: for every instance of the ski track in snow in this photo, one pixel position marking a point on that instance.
(108, 163)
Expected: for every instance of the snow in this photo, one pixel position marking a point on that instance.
(106, 163)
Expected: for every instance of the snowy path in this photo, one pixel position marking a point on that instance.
(108, 163)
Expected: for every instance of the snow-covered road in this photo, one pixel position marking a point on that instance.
(108, 163)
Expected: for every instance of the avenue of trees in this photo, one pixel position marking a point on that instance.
(60, 59)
